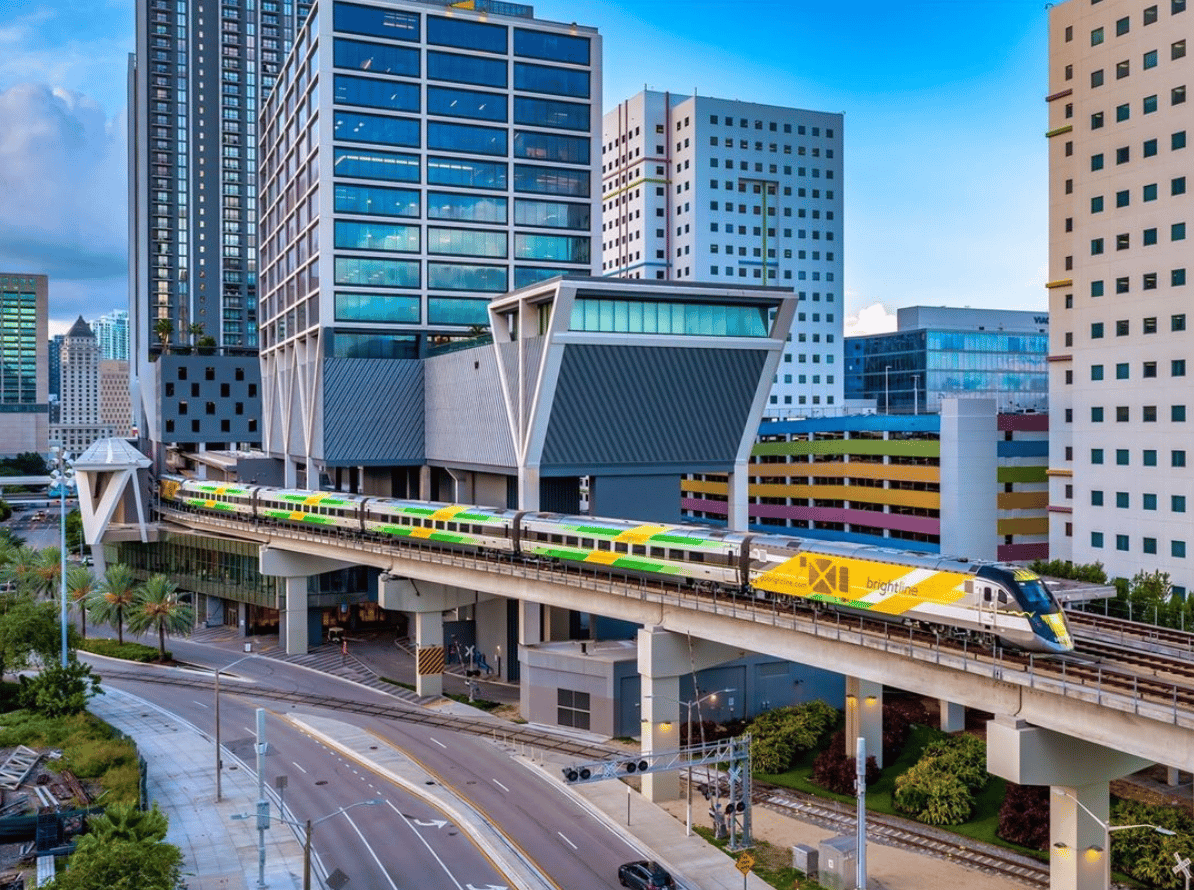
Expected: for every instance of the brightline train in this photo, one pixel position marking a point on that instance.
(972, 598)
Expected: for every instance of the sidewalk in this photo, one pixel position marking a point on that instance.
(218, 853)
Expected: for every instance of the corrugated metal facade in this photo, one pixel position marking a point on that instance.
(466, 414)
(619, 406)
(373, 412)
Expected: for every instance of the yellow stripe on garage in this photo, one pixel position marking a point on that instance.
(888, 588)
(604, 557)
(447, 513)
(639, 534)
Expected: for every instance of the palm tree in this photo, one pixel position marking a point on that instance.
(157, 607)
(80, 586)
(196, 330)
(164, 328)
(115, 593)
(20, 569)
(47, 572)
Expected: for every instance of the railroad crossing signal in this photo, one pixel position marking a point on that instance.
(745, 863)
(1182, 868)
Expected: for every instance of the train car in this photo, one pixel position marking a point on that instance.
(484, 528)
(201, 494)
(697, 553)
(979, 598)
(333, 509)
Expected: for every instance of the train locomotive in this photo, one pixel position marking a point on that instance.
(969, 598)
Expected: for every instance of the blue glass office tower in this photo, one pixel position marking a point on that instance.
(945, 352)
(417, 160)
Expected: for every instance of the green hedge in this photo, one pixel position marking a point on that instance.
(125, 651)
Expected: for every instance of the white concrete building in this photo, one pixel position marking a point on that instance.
(687, 182)
(79, 418)
(115, 406)
(1121, 459)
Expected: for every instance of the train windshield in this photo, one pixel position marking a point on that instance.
(1036, 597)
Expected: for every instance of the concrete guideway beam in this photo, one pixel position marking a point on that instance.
(295, 568)
(405, 595)
(663, 657)
(1078, 773)
(864, 717)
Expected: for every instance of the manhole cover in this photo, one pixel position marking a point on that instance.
(337, 879)
(322, 782)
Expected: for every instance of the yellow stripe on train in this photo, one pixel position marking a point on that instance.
(447, 513)
(891, 589)
(640, 534)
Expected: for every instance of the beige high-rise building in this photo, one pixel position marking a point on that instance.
(115, 406)
(1121, 401)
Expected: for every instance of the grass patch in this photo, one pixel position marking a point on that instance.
(90, 748)
(772, 863)
(482, 703)
(124, 651)
(392, 682)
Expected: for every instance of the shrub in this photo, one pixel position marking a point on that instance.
(780, 736)
(1024, 816)
(125, 651)
(898, 717)
(836, 772)
(1143, 853)
(59, 691)
(939, 789)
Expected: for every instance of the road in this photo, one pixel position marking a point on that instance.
(376, 846)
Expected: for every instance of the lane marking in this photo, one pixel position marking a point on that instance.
(417, 834)
(568, 842)
(384, 873)
(199, 703)
(251, 732)
(296, 765)
(500, 785)
(438, 742)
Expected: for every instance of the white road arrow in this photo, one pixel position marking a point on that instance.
(437, 823)
(488, 887)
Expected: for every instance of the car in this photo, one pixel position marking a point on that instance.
(645, 875)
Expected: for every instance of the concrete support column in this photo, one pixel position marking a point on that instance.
(660, 729)
(424, 483)
(864, 717)
(1173, 776)
(528, 488)
(429, 646)
(295, 619)
(953, 716)
(530, 633)
(1080, 856)
(737, 497)
(557, 625)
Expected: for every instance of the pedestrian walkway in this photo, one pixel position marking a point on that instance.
(219, 853)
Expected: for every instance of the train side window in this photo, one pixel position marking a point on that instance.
(638, 550)
(1003, 597)
(696, 556)
(556, 539)
(603, 544)
(620, 547)
(658, 552)
(572, 541)
(987, 594)
(675, 554)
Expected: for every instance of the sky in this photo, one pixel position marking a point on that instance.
(945, 156)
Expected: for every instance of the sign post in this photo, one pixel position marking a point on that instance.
(744, 864)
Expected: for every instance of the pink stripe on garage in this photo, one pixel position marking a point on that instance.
(918, 524)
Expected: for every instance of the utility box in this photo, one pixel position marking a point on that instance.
(838, 862)
(804, 859)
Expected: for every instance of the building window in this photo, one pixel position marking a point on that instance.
(1096, 161)
(572, 708)
(1096, 498)
(1096, 36)
(1096, 288)
(1123, 112)
(1096, 120)
(1177, 140)
(1121, 542)
(1149, 414)
(1148, 369)
(1177, 367)
(1177, 549)
(1177, 185)
(1177, 503)
(1122, 414)
(1096, 540)
(1149, 457)
(1150, 148)
(1121, 371)
(1096, 78)
(1122, 69)
(1177, 322)
(1123, 154)
(1096, 372)
(1149, 545)
(1150, 59)
(1148, 501)
(1177, 413)
(1096, 204)
(1096, 414)
(1096, 246)
(1177, 458)
(1096, 330)
(1096, 455)
(1150, 192)
(1177, 95)
(1121, 458)
(1122, 327)
(1177, 50)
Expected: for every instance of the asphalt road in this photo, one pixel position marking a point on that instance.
(378, 845)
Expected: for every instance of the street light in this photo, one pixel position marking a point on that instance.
(219, 761)
(62, 474)
(886, 391)
(307, 826)
(689, 705)
(1107, 829)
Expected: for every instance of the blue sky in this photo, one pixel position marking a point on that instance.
(945, 163)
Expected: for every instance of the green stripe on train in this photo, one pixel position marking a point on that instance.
(400, 531)
(679, 539)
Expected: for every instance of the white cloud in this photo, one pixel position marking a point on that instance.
(873, 319)
(63, 179)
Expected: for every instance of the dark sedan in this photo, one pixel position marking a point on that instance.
(645, 875)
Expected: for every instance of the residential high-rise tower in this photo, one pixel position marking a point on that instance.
(702, 189)
(1119, 136)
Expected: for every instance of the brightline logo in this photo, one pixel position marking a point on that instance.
(889, 586)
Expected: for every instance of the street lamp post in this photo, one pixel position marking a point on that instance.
(62, 474)
(308, 825)
(886, 390)
(1107, 829)
(688, 721)
(219, 761)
